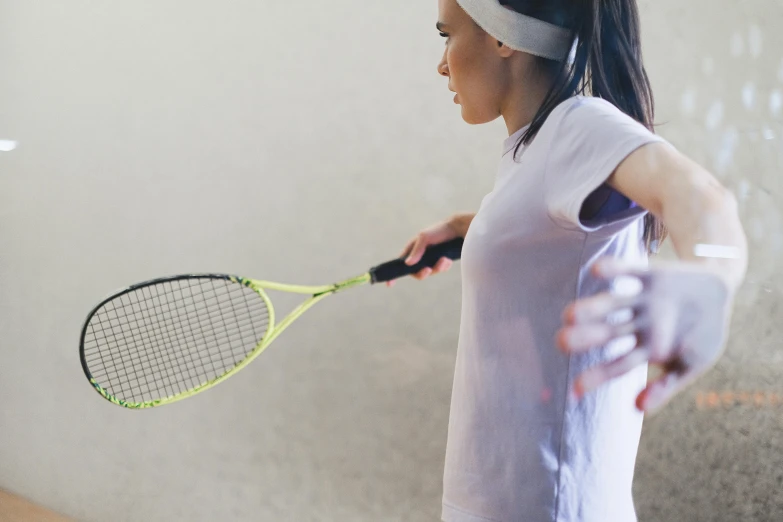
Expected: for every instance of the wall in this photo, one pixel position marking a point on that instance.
(304, 142)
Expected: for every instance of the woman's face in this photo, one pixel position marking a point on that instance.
(473, 63)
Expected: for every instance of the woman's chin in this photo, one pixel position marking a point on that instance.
(473, 119)
(466, 116)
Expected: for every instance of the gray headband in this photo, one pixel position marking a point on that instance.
(518, 31)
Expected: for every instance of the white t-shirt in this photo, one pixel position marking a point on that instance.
(519, 450)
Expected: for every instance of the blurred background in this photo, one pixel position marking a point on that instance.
(304, 142)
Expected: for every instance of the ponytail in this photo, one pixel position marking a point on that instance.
(606, 62)
(611, 48)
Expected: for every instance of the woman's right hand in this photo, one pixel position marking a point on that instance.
(456, 226)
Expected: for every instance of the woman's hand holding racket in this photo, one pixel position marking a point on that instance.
(454, 227)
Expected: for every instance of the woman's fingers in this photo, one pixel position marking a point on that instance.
(443, 264)
(422, 274)
(420, 244)
(407, 249)
(584, 337)
(594, 377)
(598, 308)
(415, 248)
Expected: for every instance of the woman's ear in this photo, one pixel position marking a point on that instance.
(503, 50)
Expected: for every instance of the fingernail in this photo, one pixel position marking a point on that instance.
(578, 390)
(562, 341)
(569, 314)
(652, 401)
(641, 399)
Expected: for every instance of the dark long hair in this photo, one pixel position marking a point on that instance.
(607, 64)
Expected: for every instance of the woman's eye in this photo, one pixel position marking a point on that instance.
(444, 35)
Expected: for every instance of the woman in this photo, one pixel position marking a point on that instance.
(584, 192)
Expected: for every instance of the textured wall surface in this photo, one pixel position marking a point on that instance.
(303, 142)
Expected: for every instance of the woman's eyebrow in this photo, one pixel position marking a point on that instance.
(440, 26)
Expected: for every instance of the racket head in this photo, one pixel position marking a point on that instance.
(163, 340)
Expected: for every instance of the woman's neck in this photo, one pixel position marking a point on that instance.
(525, 95)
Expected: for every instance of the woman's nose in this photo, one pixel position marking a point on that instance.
(443, 68)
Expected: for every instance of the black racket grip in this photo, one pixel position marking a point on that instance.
(397, 268)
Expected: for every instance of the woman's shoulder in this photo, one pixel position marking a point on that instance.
(588, 118)
(587, 107)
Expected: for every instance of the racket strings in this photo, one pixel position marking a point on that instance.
(160, 340)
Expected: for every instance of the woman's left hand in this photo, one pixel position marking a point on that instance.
(680, 318)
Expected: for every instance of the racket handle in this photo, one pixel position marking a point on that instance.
(397, 268)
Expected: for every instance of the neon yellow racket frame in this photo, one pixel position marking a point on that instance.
(272, 332)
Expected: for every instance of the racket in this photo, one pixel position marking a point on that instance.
(167, 339)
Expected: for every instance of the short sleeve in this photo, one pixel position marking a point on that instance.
(591, 138)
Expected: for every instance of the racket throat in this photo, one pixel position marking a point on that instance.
(345, 285)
